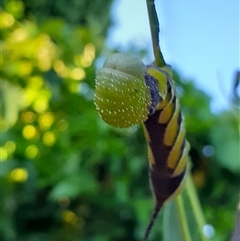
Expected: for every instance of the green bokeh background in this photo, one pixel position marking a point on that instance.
(65, 174)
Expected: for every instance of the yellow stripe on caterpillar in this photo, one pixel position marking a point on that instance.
(172, 127)
(183, 161)
(161, 78)
(176, 152)
(167, 113)
(150, 157)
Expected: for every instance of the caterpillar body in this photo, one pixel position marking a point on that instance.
(167, 146)
(153, 91)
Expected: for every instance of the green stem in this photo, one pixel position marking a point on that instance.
(196, 206)
(155, 31)
(182, 218)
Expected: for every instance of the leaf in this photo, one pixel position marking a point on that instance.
(171, 225)
(172, 228)
(74, 186)
(225, 137)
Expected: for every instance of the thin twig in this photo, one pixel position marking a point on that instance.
(155, 31)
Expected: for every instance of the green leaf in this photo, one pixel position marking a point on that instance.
(74, 186)
(171, 225)
(225, 137)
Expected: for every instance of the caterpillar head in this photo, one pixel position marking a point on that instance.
(122, 98)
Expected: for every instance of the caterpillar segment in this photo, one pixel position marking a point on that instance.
(167, 146)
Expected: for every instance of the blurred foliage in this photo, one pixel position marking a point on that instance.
(73, 12)
(66, 175)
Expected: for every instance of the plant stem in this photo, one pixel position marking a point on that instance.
(182, 218)
(155, 31)
(196, 207)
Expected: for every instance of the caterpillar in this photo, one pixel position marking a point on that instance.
(167, 146)
(148, 95)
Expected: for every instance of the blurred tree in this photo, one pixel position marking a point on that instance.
(75, 13)
(66, 175)
(47, 81)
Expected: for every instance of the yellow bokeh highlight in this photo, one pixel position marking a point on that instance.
(18, 35)
(29, 95)
(49, 138)
(44, 65)
(3, 154)
(29, 132)
(24, 68)
(19, 175)
(85, 60)
(89, 49)
(10, 146)
(77, 74)
(36, 82)
(69, 217)
(60, 68)
(36, 94)
(88, 55)
(41, 104)
(7, 20)
(45, 120)
(45, 53)
(31, 151)
(28, 117)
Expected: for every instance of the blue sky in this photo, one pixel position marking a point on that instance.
(198, 38)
